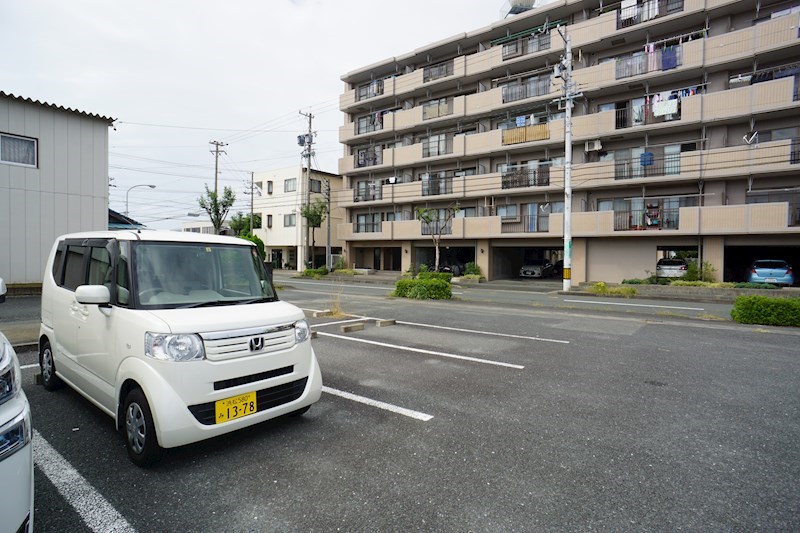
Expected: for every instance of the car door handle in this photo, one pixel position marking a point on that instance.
(74, 308)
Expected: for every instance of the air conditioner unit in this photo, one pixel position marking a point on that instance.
(594, 146)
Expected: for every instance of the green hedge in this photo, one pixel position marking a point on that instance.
(423, 289)
(766, 311)
(445, 276)
(313, 272)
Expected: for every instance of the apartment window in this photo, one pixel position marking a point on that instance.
(259, 185)
(269, 187)
(435, 145)
(269, 220)
(289, 221)
(18, 150)
(316, 186)
(507, 211)
(290, 186)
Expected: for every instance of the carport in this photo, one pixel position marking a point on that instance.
(738, 258)
(507, 260)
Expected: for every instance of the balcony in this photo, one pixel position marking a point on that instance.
(653, 218)
(526, 224)
(435, 72)
(367, 227)
(526, 45)
(536, 132)
(369, 194)
(526, 177)
(540, 86)
(437, 186)
(647, 165)
(369, 158)
(437, 145)
(437, 109)
(630, 13)
(658, 60)
(436, 227)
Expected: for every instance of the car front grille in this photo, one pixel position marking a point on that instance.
(265, 399)
(223, 345)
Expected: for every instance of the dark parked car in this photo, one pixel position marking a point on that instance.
(774, 271)
(558, 267)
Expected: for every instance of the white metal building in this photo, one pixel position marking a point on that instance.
(53, 180)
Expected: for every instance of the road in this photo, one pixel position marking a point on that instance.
(469, 415)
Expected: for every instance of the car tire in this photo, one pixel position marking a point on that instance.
(47, 367)
(141, 440)
(456, 271)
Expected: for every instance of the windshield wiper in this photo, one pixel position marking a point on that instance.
(213, 303)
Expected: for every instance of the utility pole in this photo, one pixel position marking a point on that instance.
(307, 142)
(216, 151)
(328, 256)
(563, 70)
(252, 194)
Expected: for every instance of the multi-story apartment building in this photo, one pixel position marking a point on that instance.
(684, 138)
(288, 240)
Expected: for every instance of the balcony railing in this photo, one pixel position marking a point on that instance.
(644, 219)
(437, 186)
(370, 90)
(526, 177)
(368, 158)
(525, 224)
(367, 227)
(536, 132)
(437, 227)
(437, 146)
(631, 15)
(367, 195)
(535, 87)
(643, 62)
(434, 72)
(655, 113)
(526, 45)
(647, 165)
(437, 109)
(372, 123)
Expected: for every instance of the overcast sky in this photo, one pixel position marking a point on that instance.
(177, 74)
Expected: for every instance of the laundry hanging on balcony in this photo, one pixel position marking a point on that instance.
(669, 57)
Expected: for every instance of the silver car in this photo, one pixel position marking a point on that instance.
(536, 268)
(671, 268)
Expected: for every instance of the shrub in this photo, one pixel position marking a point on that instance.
(766, 311)
(472, 269)
(315, 272)
(711, 284)
(748, 285)
(345, 272)
(635, 281)
(423, 289)
(445, 276)
(472, 276)
(695, 273)
(340, 263)
(602, 289)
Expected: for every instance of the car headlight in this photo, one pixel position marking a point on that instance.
(302, 332)
(16, 434)
(169, 347)
(9, 372)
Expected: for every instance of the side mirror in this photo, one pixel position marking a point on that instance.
(93, 294)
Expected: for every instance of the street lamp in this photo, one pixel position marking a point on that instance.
(129, 191)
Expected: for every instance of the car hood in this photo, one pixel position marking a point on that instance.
(228, 317)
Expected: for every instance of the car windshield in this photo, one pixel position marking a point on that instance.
(770, 264)
(671, 262)
(168, 275)
(536, 262)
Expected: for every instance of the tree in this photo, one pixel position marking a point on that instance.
(314, 213)
(240, 223)
(217, 208)
(438, 222)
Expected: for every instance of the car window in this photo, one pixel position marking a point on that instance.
(74, 271)
(671, 262)
(770, 264)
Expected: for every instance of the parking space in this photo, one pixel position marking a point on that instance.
(461, 417)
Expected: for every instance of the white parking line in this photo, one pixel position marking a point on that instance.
(26, 367)
(419, 350)
(96, 512)
(381, 405)
(483, 332)
(384, 289)
(637, 305)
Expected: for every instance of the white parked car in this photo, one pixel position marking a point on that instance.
(16, 450)
(177, 336)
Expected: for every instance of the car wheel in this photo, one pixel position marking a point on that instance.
(47, 366)
(456, 271)
(140, 432)
(301, 411)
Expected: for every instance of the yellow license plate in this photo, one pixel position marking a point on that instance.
(235, 407)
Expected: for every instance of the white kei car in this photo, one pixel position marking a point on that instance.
(16, 450)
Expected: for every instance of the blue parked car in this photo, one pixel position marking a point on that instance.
(774, 271)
